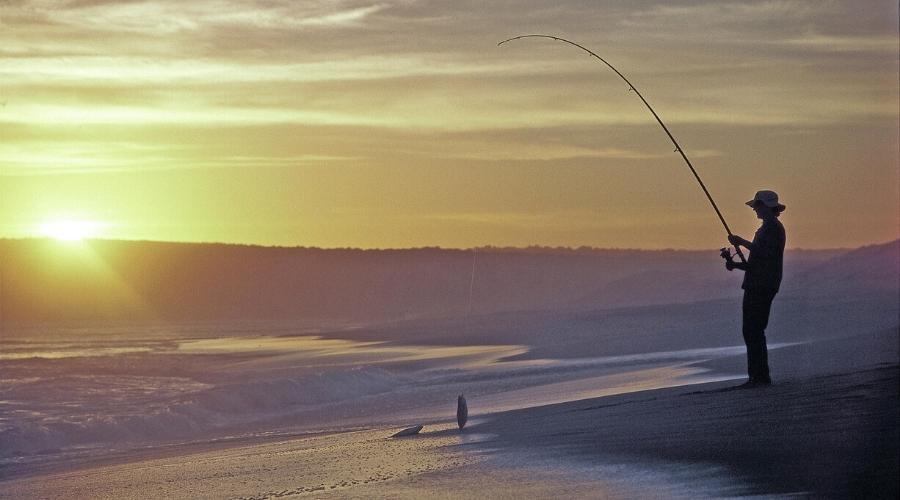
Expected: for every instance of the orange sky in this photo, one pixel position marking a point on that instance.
(395, 124)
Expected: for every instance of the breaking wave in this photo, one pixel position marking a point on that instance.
(88, 412)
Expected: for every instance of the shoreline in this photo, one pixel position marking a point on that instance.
(825, 435)
(827, 427)
(681, 442)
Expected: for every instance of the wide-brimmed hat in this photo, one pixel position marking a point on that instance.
(767, 198)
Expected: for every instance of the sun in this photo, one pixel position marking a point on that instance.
(70, 230)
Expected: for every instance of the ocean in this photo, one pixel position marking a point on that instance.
(75, 393)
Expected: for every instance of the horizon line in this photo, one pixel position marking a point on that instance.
(488, 247)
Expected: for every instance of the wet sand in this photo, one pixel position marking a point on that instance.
(305, 465)
(440, 463)
(825, 436)
(827, 428)
(831, 436)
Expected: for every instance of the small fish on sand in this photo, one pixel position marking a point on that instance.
(462, 411)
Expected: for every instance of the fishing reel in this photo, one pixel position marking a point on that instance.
(726, 254)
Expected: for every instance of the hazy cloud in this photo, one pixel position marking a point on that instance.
(791, 90)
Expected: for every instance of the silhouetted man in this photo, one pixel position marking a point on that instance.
(762, 278)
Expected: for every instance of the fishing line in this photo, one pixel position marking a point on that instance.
(658, 119)
(472, 281)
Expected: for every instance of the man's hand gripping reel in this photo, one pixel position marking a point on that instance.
(726, 254)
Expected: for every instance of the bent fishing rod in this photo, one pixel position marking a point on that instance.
(658, 119)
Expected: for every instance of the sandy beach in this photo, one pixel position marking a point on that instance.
(830, 436)
(825, 429)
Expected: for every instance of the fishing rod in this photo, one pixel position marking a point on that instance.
(658, 119)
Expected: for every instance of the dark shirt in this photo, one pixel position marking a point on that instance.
(764, 266)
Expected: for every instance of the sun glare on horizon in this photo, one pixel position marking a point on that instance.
(70, 230)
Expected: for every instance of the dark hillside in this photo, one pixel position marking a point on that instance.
(48, 281)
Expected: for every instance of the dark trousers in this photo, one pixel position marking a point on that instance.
(757, 305)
